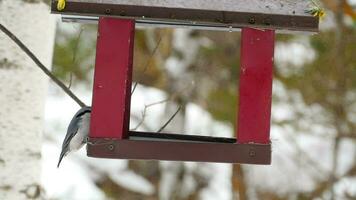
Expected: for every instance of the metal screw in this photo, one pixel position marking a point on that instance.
(111, 147)
(107, 11)
(122, 13)
(252, 20)
(267, 21)
(252, 153)
(219, 20)
(292, 22)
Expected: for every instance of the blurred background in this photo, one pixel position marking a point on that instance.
(313, 130)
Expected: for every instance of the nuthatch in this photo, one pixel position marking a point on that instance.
(77, 132)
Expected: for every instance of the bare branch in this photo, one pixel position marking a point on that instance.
(142, 124)
(70, 80)
(148, 62)
(172, 97)
(159, 102)
(169, 120)
(144, 112)
(41, 66)
(75, 48)
(142, 119)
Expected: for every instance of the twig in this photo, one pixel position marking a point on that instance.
(144, 112)
(158, 102)
(148, 63)
(75, 48)
(41, 66)
(142, 119)
(169, 120)
(172, 97)
(144, 126)
(70, 80)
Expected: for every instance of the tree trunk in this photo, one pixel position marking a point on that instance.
(22, 96)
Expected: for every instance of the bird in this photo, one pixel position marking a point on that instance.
(77, 132)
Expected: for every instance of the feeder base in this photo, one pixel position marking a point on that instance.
(174, 147)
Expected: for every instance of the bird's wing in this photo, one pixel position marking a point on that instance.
(74, 124)
(72, 131)
(65, 147)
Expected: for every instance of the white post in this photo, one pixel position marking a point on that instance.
(22, 96)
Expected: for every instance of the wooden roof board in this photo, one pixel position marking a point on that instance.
(273, 14)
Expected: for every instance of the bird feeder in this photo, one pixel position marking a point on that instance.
(258, 21)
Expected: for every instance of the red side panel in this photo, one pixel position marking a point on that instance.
(257, 49)
(112, 79)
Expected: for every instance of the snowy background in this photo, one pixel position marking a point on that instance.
(303, 132)
(76, 177)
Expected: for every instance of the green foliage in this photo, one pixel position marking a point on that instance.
(145, 68)
(284, 37)
(222, 104)
(319, 81)
(74, 54)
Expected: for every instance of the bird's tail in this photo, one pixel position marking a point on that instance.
(60, 158)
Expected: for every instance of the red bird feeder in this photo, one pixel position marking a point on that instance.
(110, 136)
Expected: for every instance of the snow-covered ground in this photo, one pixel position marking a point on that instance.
(77, 173)
(301, 154)
(292, 169)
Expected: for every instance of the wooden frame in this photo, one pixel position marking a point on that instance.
(112, 79)
(109, 132)
(255, 92)
(232, 14)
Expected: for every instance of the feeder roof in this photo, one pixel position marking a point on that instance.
(271, 14)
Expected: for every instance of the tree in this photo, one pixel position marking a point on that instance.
(22, 96)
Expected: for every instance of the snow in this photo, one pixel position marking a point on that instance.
(301, 151)
(300, 156)
(219, 186)
(70, 181)
(290, 57)
(346, 186)
(131, 181)
(145, 96)
(168, 181)
(188, 47)
(347, 156)
(78, 173)
(75, 179)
